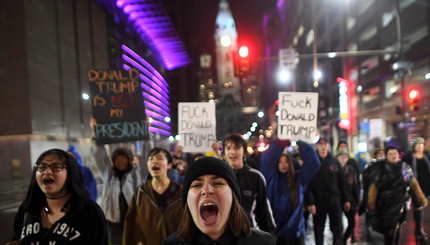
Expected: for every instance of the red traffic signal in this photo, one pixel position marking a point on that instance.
(413, 96)
(243, 51)
(242, 64)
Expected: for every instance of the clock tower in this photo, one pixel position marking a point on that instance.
(226, 44)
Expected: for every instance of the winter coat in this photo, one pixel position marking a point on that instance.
(112, 185)
(388, 194)
(328, 186)
(352, 183)
(423, 177)
(257, 238)
(80, 225)
(289, 222)
(89, 180)
(254, 200)
(145, 222)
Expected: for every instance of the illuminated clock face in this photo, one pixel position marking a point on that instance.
(225, 41)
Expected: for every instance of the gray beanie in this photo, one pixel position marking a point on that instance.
(210, 165)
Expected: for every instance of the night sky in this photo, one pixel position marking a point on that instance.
(198, 17)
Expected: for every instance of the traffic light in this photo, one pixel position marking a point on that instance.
(242, 64)
(413, 97)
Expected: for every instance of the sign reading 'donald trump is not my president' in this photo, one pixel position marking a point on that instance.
(117, 103)
(196, 126)
(297, 119)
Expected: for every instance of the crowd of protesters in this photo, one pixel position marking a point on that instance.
(173, 197)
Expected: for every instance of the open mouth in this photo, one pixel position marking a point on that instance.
(48, 181)
(209, 212)
(155, 168)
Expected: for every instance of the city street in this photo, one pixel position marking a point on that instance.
(12, 193)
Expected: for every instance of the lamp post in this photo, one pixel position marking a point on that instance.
(404, 68)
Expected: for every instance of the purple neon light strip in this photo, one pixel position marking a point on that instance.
(155, 108)
(145, 71)
(158, 130)
(154, 115)
(160, 124)
(155, 101)
(121, 3)
(149, 88)
(154, 92)
(153, 19)
(154, 86)
(150, 76)
(145, 63)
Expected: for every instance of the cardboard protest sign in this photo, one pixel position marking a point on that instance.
(297, 118)
(117, 104)
(196, 126)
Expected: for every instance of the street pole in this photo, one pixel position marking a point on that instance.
(403, 132)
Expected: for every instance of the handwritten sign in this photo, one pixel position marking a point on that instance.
(297, 118)
(197, 126)
(117, 104)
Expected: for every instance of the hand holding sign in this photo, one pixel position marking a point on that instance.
(197, 126)
(297, 116)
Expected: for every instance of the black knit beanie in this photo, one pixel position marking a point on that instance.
(210, 165)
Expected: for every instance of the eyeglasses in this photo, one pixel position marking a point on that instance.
(55, 167)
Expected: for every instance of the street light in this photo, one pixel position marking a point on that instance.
(284, 76)
(85, 96)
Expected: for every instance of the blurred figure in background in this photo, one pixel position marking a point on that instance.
(419, 160)
(58, 209)
(389, 193)
(353, 189)
(327, 192)
(89, 180)
(369, 175)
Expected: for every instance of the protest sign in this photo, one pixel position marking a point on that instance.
(297, 119)
(117, 104)
(196, 126)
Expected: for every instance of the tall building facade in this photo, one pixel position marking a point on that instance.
(46, 52)
(225, 44)
(362, 42)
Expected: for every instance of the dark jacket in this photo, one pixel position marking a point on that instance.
(349, 173)
(80, 225)
(328, 186)
(254, 197)
(389, 193)
(289, 222)
(421, 169)
(257, 238)
(145, 222)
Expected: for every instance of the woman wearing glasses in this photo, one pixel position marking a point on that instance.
(58, 209)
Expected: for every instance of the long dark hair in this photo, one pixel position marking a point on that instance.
(291, 180)
(35, 198)
(238, 222)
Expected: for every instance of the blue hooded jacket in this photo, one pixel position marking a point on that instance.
(290, 223)
(89, 180)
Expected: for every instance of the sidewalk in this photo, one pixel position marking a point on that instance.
(407, 231)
